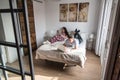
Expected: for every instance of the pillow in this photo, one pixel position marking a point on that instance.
(83, 35)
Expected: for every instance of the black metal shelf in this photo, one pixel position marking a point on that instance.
(10, 69)
(8, 44)
(11, 44)
(9, 10)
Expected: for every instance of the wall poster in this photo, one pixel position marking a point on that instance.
(83, 12)
(73, 8)
(63, 12)
(74, 12)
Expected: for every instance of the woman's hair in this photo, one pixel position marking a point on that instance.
(66, 32)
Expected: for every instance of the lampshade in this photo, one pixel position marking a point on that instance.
(91, 36)
(51, 33)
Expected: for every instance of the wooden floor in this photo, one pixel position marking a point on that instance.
(54, 71)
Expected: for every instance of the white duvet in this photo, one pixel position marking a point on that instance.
(55, 52)
(50, 52)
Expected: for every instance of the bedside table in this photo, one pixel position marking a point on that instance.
(90, 44)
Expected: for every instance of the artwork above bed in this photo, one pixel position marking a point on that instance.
(83, 12)
(63, 12)
(74, 12)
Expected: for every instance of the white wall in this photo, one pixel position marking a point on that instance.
(40, 23)
(46, 16)
(52, 16)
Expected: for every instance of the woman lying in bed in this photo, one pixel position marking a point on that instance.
(61, 36)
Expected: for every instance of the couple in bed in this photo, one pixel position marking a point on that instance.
(70, 44)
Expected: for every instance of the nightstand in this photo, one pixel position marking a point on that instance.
(90, 44)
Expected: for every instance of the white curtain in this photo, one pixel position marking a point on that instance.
(106, 22)
(103, 28)
(100, 25)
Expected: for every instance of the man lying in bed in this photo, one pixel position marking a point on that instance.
(71, 44)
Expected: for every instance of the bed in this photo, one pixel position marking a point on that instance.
(53, 52)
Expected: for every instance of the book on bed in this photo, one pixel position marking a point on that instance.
(61, 48)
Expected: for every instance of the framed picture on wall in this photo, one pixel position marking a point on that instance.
(63, 12)
(73, 7)
(83, 12)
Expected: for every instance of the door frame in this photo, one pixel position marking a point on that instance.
(113, 46)
(14, 11)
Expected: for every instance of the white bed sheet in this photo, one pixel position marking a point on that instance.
(50, 52)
